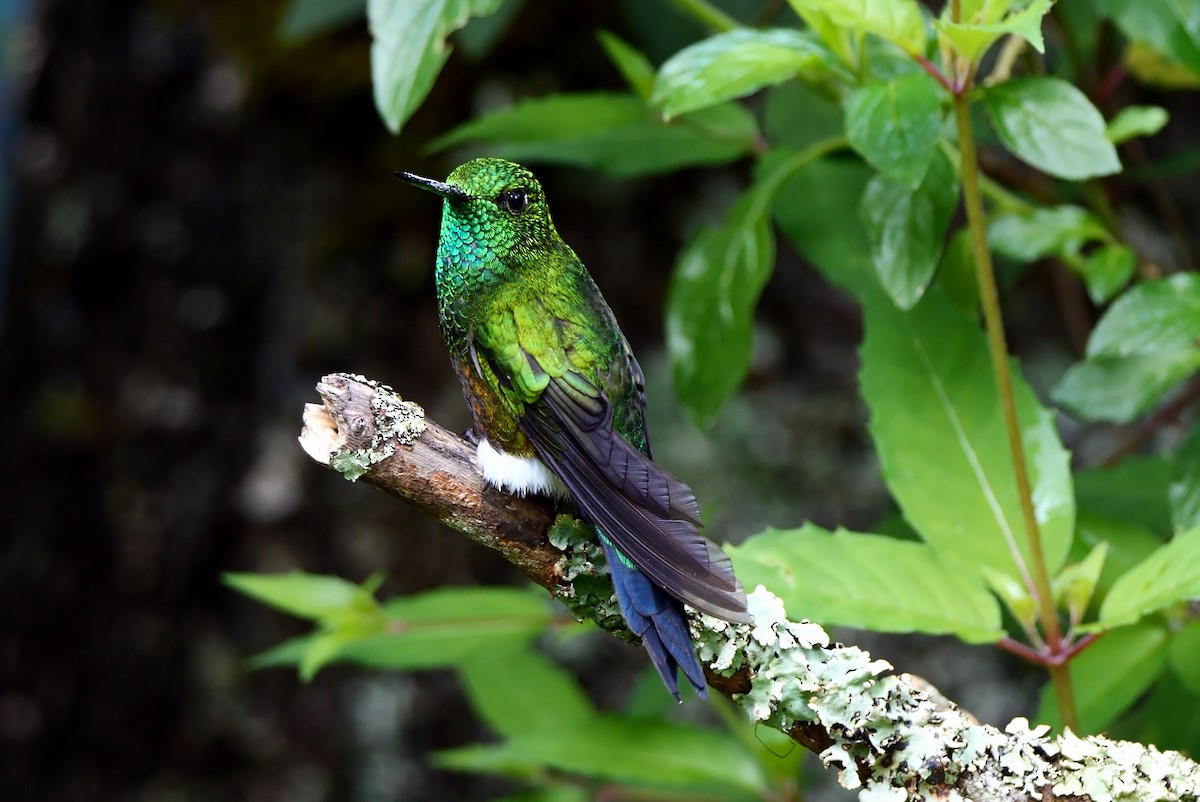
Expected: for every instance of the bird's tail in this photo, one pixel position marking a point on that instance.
(657, 618)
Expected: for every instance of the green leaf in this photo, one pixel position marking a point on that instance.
(1076, 582)
(1120, 389)
(734, 64)
(408, 49)
(306, 19)
(1015, 596)
(927, 378)
(634, 67)
(1147, 342)
(816, 208)
(795, 116)
(552, 793)
(1171, 715)
(1172, 27)
(1133, 490)
(1168, 576)
(1051, 125)
(1106, 271)
(1184, 493)
(907, 228)
(956, 273)
(895, 125)
(1184, 655)
(520, 691)
(1052, 231)
(1110, 675)
(1135, 121)
(476, 39)
(1152, 317)
(1125, 542)
(288, 653)
(615, 133)
(979, 30)
(898, 21)
(646, 752)
(310, 596)
(868, 581)
(1152, 68)
(710, 305)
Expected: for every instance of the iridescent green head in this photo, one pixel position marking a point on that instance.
(492, 207)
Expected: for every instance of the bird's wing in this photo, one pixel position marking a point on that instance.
(648, 514)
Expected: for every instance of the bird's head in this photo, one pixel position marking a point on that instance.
(493, 204)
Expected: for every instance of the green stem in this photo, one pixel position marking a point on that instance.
(990, 299)
(707, 15)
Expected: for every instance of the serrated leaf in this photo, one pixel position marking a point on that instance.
(521, 691)
(305, 19)
(310, 596)
(1171, 27)
(1184, 492)
(734, 64)
(1168, 576)
(408, 49)
(1135, 121)
(898, 21)
(927, 378)
(979, 30)
(710, 304)
(907, 228)
(1110, 675)
(615, 133)
(1049, 124)
(645, 752)
(895, 124)
(1051, 231)
(634, 67)
(868, 581)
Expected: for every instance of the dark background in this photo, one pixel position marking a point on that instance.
(202, 222)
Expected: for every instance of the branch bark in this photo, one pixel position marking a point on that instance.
(893, 737)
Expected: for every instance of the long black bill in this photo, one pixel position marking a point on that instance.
(438, 187)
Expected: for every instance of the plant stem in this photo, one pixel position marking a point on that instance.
(989, 297)
(707, 15)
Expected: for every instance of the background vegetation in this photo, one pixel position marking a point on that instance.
(204, 223)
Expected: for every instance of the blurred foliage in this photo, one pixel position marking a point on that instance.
(845, 111)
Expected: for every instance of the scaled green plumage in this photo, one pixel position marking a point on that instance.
(548, 374)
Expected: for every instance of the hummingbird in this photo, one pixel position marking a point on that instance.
(557, 401)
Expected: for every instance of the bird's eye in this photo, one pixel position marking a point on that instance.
(513, 200)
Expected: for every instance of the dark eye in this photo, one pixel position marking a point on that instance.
(513, 200)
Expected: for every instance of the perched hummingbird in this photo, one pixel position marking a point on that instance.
(557, 400)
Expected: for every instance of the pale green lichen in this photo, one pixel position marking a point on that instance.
(586, 589)
(891, 741)
(396, 422)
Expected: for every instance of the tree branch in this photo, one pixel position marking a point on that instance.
(892, 736)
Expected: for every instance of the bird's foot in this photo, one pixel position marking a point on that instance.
(471, 437)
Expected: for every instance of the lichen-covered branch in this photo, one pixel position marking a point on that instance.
(890, 736)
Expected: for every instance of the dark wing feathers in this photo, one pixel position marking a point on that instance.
(649, 515)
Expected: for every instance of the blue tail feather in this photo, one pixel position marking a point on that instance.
(658, 619)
